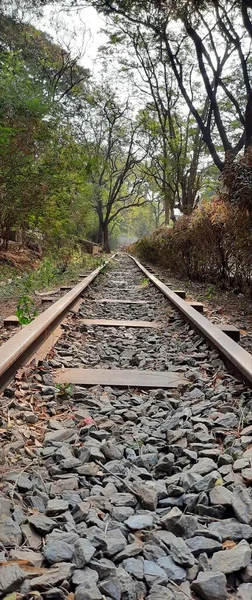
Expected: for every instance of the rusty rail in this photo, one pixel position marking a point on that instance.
(22, 346)
(238, 360)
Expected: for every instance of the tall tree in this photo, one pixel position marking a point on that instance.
(110, 138)
(214, 36)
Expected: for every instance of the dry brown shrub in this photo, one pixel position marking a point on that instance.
(213, 244)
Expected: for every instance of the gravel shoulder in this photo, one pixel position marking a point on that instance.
(221, 306)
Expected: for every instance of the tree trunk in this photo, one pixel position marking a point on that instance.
(100, 234)
(167, 209)
(248, 122)
(106, 246)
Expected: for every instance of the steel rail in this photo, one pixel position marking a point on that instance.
(238, 360)
(21, 347)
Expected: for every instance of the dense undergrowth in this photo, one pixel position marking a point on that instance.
(213, 244)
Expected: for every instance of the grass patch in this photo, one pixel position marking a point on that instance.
(49, 274)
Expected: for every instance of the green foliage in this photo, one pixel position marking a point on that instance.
(144, 282)
(50, 273)
(26, 310)
(65, 390)
(210, 292)
(43, 183)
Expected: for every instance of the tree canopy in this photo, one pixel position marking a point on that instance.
(82, 153)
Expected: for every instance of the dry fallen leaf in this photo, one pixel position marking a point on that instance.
(228, 544)
(12, 596)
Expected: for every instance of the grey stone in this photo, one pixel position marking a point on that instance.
(171, 501)
(42, 524)
(203, 531)
(170, 520)
(203, 466)
(24, 483)
(242, 505)
(196, 393)
(53, 594)
(134, 566)
(231, 530)
(95, 536)
(81, 576)
(111, 451)
(153, 574)
(72, 498)
(225, 459)
(153, 552)
(69, 464)
(165, 463)
(188, 524)
(69, 537)
(244, 591)
(111, 588)
(80, 511)
(54, 577)
(228, 421)
(216, 512)
(114, 542)
(246, 574)
(180, 552)
(207, 482)
(247, 474)
(56, 506)
(121, 513)
(30, 417)
(139, 521)
(84, 551)
(199, 544)
(240, 463)
(5, 507)
(34, 558)
(10, 532)
(104, 567)
(146, 493)
(90, 469)
(220, 495)
(60, 486)
(159, 592)
(210, 586)
(88, 591)
(58, 551)
(130, 588)
(129, 551)
(173, 571)
(188, 480)
(32, 539)
(232, 560)
(60, 435)
(123, 499)
(11, 577)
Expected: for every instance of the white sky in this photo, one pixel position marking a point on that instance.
(70, 28)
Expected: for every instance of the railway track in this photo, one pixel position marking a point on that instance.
(126, 449)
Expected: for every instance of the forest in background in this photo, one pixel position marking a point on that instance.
(157, 134)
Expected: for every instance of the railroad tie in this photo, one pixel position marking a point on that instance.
(124, 378)
(121, 323)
